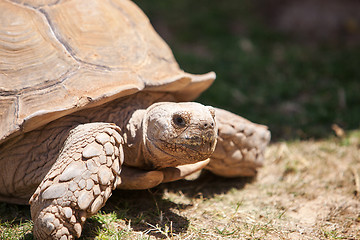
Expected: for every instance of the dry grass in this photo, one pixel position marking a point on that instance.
(307, 190)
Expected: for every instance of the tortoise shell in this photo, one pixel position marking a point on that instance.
(60, 56)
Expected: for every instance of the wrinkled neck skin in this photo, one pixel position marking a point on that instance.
(133, 135)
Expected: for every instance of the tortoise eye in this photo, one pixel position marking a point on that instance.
(179, 120)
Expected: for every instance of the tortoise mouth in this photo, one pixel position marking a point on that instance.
(180, 150)
(201, 143)
(186, 149)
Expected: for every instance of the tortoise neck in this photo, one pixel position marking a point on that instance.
(132, 134)
(133, 126)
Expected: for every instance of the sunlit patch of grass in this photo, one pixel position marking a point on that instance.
(16, 230)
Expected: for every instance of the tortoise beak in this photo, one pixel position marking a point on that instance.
(202, 142)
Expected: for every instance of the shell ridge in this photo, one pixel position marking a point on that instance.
(56, 35)
(40, 86)
(68, 47)
(133, 24)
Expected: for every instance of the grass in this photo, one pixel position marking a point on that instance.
(309, 187)
(11, 230)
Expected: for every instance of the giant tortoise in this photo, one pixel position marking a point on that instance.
(92, 99)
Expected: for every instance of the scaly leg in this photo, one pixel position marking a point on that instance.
(240, 146)
(79, 183)
(133, 178)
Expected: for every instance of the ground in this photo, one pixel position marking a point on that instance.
(306, 190)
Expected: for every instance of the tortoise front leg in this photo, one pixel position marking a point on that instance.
(240, 146)
(79, 183)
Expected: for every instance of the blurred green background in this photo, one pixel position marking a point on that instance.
(292, 65)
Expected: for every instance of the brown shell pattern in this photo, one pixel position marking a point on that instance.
(57, 57)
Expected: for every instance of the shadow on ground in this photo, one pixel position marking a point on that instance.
(145, 210)
(148, 212)
(207, 185)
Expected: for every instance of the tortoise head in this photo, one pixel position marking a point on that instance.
(178, 133)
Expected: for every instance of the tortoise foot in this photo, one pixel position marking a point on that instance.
(79, 183)
(56, 222)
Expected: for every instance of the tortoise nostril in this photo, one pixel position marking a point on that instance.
(207, 125)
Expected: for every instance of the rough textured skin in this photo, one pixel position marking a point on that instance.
(80, 181)
(91, 99)
(240, 146)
